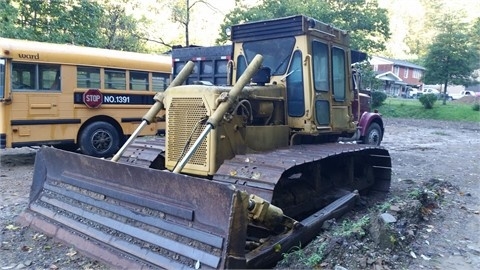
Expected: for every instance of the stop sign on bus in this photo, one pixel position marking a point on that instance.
(93, 98)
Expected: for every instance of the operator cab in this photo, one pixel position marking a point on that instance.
(311, 60)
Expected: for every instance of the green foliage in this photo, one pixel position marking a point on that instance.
(453, 56)
(415, 194)
(476, 106)
(366, 22)
(384, 206)
(428, 100)
(356, 228)
(101, 24)
(368, 76)
(475, 33)
(308, 261)
(411, 108)
(378, 97)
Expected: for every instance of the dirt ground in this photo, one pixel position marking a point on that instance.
(438, 161)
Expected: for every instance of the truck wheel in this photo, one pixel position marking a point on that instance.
(374, 135)
(99, 139)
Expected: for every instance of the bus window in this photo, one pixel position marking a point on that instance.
(138, 80)
(49, 77)
(115, 79)
(160, 81)
(88, 77)
(36, 77)
(23, 76)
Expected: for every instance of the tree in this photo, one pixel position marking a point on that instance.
(120, 30)
(80, 22)
(8, 16)
(368, 76)
(181, 12)
(365, 20)
(452, 57)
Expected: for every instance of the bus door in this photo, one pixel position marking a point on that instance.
(35, 101)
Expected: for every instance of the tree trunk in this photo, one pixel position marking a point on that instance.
(187, 22)
(445, 93)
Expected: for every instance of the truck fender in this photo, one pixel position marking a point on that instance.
(367, 119)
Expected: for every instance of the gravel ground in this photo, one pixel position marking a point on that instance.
(439, 157)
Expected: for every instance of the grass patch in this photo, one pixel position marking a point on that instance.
(356, 228)
(412, 108)
(303, 260)
(441, 133)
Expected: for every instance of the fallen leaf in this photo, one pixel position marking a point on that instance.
(413, 254)
(72, 252)
(425, 257)
(8, 267)
(12, 227)
(37, 236)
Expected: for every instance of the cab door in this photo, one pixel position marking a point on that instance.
(341, 119)
(321, 83)
(330, 76)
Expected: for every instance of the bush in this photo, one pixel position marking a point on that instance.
(428, 100)
(378, 98)
(476, 107)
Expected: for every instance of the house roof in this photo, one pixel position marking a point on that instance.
(388, 76)
(398, 62)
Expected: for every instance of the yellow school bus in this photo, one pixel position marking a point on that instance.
(76, 97)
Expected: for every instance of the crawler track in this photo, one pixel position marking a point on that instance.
(321, 167)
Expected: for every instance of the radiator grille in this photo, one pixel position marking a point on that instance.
(183, 115)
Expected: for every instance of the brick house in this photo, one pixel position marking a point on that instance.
(399, 76)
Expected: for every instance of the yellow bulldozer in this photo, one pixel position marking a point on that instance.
(244, 173)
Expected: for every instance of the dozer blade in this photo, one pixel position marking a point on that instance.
(132, 217)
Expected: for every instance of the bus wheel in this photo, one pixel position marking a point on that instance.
(99, 139)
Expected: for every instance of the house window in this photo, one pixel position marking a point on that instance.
(405, 73)
(396, 70)
(417, 74)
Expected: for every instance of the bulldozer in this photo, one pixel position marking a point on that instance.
(244, 173)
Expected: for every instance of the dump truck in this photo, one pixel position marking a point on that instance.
(244, 173)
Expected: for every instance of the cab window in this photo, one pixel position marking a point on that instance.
(338, 74)
(320, 66)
